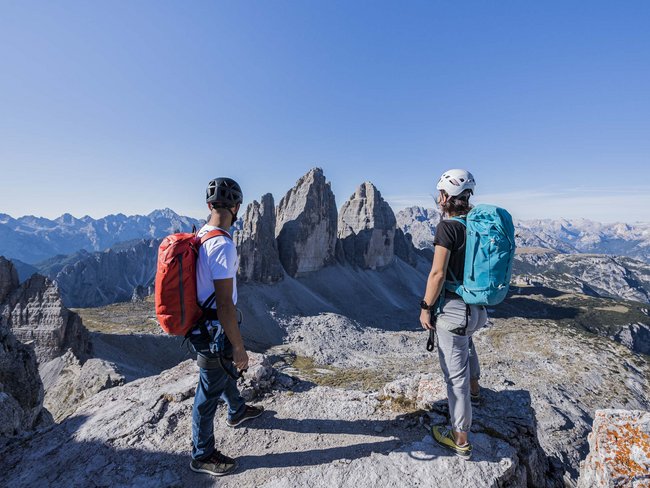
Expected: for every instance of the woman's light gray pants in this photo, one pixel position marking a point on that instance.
(458, 358)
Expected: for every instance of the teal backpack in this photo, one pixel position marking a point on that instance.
(489, 253)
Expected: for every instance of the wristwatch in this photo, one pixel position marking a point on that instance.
(425, 306)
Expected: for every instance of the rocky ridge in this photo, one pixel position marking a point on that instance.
(51, 351)
(36, 315)
(21, 389)
(366, 229)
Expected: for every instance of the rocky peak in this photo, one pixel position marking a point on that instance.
(36, 314)
(367, 228)
(8, 278)
(258, 251)
(307, 224)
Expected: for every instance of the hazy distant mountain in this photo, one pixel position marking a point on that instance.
(564, 236)
(33, 239)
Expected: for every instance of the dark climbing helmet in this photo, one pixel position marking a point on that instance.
(224, 192)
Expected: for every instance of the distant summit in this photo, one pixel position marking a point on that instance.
(33, 239)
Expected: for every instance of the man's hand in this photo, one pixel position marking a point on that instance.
(425, 320)
(240, 358)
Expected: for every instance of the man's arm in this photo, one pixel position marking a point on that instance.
(228, 318)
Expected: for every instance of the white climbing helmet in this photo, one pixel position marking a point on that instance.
(456, 181)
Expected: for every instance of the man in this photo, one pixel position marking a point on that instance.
(218, 343)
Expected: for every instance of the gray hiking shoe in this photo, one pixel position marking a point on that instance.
(248, 413)
(216, 465)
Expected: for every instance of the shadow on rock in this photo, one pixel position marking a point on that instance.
(140, 355)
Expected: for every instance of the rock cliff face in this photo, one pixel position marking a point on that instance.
(36, 315)
(619, 450)
(258, 251)
(307, 224)
(21, 390)
(367, 229)
(404, 248)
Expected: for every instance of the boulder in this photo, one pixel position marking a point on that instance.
(366, 229)
(306, 225)
(619, 450)
(259, 260)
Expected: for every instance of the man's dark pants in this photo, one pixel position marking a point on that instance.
(214, 384)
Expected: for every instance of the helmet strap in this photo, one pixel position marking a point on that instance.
(226, 207)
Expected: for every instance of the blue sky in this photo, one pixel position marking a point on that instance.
(110, 107)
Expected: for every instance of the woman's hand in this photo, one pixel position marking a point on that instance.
(425, 320)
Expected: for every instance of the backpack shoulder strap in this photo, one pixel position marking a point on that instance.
(462, 219)
(214, 233)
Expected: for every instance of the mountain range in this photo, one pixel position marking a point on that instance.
(564, 236)
(32, 240)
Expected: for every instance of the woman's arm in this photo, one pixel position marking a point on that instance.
(435, 282)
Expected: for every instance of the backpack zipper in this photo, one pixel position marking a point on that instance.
(180, 262)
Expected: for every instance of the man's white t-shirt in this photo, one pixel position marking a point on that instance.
(217, 261)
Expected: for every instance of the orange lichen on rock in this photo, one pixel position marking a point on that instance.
(619, 450)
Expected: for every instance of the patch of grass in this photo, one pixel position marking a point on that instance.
(400, 404)
(325, 375)
(121, 318)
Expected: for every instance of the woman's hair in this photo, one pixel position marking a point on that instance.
(458, 205)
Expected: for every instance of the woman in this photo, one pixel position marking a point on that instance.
(446, 313)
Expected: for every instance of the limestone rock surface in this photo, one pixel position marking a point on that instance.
(37, 316)
(259, 260)
(367, 228)
(67, 382)
(307, 224)
(314, 436)
(619, 451)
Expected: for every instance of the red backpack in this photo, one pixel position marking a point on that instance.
(177, 307)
